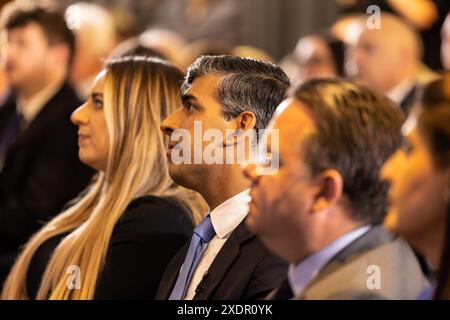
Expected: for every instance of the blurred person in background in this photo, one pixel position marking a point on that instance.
(388, 59)
(419, 174)
(95, 37)
(426, 17)
(203, 47)
(319, 56)
(168, 43)
(135, 47)
(123, 230)
(39, 166)
(246, 51)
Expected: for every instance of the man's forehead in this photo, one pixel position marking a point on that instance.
(292, 122)
(206, 84)
(292, 115)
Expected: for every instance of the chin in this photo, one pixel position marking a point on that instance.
(254, 223)
(390, 221)
(89, 162)
(179, 175)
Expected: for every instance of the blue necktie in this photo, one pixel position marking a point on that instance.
(203, 233)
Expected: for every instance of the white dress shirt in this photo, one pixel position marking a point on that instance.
(225, 218)
(401, 90)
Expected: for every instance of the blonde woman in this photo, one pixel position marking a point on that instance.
(116, 240)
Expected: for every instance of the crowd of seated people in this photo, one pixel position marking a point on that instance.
(159, 169)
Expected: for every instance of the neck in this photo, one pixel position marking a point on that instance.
(31, 89)
(430, 245)
(227, 184)
(323, 234)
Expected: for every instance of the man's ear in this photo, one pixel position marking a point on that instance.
(330, 191)
(241, 126)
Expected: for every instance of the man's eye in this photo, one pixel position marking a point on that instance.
(265, 160)
(188, 106)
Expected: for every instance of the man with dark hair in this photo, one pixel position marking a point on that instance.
(223, 260)
(322, 209)
(39, 166)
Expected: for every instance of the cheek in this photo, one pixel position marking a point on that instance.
(273, 200)
(418, 204)
(99, 138)
(103, 140)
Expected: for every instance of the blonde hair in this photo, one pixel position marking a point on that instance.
(138, 93)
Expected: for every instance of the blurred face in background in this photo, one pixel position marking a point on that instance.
(28, 55)
(445, 48)
(376, 60)
(314, 58)
(417, 188)
(93, 137)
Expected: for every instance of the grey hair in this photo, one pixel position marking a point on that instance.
(247, 84)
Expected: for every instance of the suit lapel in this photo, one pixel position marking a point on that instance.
(374, 238)
(171, 274)
(223, 261)
(41, 121)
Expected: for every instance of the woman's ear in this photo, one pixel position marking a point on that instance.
(242, 127)
(331, 189)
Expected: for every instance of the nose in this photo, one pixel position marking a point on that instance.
(390, 167)
(80, 115)
(168, 125)
(250, 171)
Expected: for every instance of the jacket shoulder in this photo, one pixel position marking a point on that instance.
(390, 271)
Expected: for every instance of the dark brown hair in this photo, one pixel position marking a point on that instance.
(19, 14)
(434, 125)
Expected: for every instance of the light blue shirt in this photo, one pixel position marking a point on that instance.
(427, 294)
(300, 275)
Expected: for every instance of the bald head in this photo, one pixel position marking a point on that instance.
(384, 57)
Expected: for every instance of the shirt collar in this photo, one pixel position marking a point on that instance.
(399, 92)
(300, 275)
(229, 214)
(30, 107)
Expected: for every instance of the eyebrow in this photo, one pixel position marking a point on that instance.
(185, 97)
(95, 95)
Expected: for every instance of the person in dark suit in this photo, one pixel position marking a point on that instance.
(116, 239)
(39, 167)
(322, 209)
(419, 177)
(228, 96)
